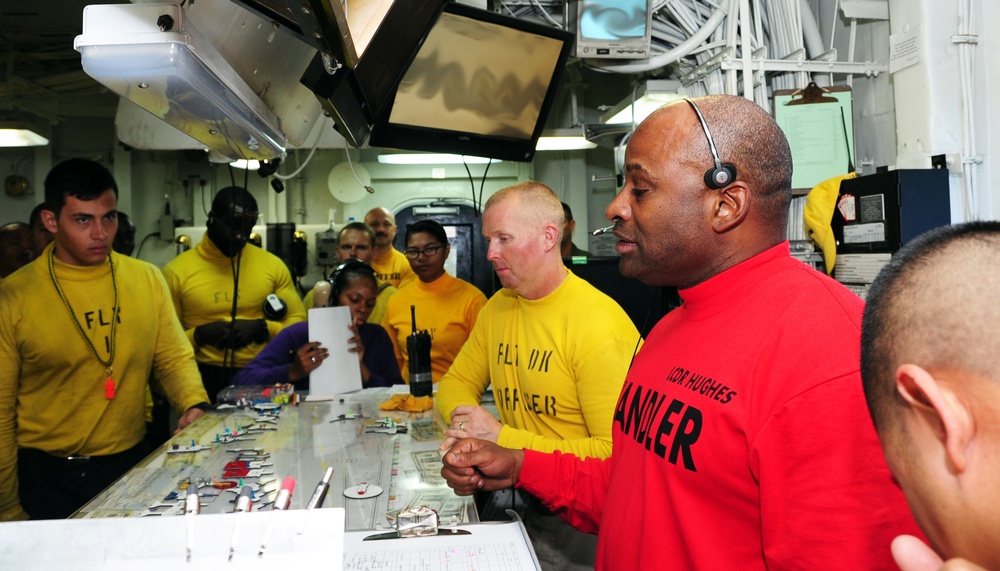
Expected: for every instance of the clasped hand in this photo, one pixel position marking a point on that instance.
(235, 335)
(471, 422)
(473, 465)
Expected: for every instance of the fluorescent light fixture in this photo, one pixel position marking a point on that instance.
(153, 56)
(19, 134)
(649, 96)
(563, 140)
(436, 210)
(245, 164)
(432, 159)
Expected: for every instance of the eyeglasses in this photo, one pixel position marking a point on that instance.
(428, 251)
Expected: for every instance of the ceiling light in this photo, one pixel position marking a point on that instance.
(432, 159)
(650, 95)
(19, 134)
(153, 56)
(252, 164)
(563, 140)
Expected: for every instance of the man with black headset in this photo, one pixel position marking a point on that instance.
(741, 436)
(227, 330)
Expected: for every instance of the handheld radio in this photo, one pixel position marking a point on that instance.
(418, 345)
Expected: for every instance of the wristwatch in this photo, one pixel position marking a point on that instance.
(202, 405)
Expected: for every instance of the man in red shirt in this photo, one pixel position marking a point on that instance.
(741, 439)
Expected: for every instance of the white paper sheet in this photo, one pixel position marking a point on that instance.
(340, 372)
(298, 539)
(492, 546)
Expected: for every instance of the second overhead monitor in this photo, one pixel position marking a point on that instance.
(617, 29)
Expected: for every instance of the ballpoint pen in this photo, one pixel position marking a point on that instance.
(319, 494)
(280, 503)
(192, 507)
(244, 503)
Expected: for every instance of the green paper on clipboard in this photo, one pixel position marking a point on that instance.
(819, 125)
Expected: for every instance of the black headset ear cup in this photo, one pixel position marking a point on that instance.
(719, 177)
(337, 282)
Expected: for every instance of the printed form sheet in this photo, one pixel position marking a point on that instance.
(490, 547)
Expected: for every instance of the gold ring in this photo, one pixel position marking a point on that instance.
(461, 426)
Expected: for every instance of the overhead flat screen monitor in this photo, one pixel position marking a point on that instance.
(616, 29)
(354, 94)
(480, 84)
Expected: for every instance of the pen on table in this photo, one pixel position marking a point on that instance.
(192, 507)
(316, 501)
(319, 494)
(244, 503)
(280, 503)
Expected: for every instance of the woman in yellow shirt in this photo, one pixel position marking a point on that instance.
(445, 306)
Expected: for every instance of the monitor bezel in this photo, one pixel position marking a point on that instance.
(386, 134)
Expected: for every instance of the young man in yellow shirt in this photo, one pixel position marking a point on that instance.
(81, 329)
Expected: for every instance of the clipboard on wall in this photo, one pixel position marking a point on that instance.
(819, 125)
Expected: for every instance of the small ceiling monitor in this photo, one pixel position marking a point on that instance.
(613, 29)
(479, 84)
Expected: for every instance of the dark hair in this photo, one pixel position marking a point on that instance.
(567, 212)
(432, 227)
(896, 320)
(346, 274)
(360, 227)
(36, 214)
(124, 242)
(233, 196)
(83, 179)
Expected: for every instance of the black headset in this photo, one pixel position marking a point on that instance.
(340, 274)
(722, 173)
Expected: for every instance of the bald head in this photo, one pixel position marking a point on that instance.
(15, 247)
(522, 225)
(748, 138)
(933, 305)
(538, 204)
(383, 223)
(673, 227)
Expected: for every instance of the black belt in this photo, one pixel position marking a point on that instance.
(78, 460)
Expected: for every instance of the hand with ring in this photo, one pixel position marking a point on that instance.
(471, 422)
(306, 360)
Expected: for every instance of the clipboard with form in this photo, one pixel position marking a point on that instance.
(490, 546)
(819, 125)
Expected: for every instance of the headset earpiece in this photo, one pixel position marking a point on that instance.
(722, 174)
(339, 279)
